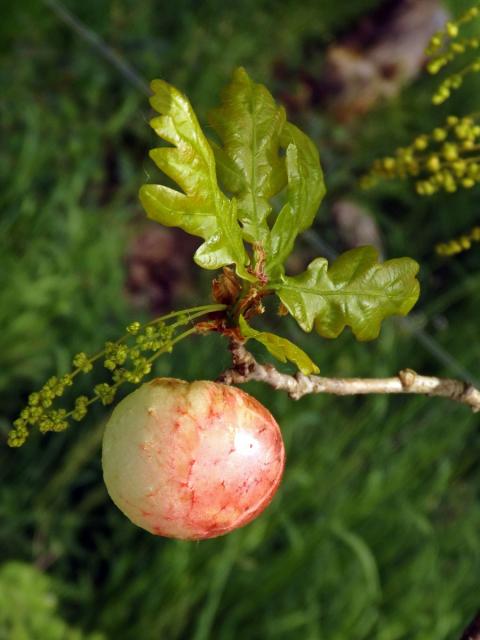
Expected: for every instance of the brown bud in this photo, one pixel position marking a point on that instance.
(226, 287)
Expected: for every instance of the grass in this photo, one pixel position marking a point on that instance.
(374, 533)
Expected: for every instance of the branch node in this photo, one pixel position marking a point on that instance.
(407, 377)
(303, 386)
(295, 394)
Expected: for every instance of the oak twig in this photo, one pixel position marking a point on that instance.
(246, 368)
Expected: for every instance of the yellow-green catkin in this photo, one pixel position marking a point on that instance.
(126, 362)
(446, 159)
(129, 359)
(460, 244)
(448, 46)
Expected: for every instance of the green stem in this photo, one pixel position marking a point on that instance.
(182, 336)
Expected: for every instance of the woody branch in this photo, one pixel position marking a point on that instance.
(245, 368)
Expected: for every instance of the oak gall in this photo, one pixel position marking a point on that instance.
(191, 460)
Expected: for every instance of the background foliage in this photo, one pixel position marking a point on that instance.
(375, 531)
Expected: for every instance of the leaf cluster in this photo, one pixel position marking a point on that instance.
(249, 194)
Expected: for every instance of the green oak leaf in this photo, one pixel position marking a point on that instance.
(249, 123)
(306, 189)
(355, 291)
(201, 208)
(280, 348)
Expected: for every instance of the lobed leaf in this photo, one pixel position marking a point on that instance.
(306, 189)
(280, 348)
(355, 291)
(250, 124)
(200, 208)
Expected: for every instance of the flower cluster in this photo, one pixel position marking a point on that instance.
(129, 359)
(445, 159)
(39, 412)
(460, 244)
(447, 46)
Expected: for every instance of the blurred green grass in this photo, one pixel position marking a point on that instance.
(375, 531)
